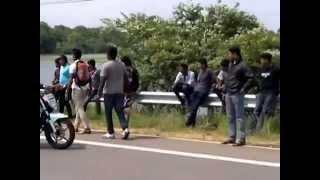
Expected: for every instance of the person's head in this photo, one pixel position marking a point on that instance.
(224, 64)
(92, 64)
(112, 52)
(63, 60)
(234, 53)
(265, 59)
(76, 53)
(183, 68)
(203, 63)
(126, 60)
(57, 63)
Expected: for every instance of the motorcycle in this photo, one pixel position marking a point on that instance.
(57, 127)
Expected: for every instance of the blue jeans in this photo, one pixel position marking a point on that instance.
(197, 99)
(114, 101)
(235, 112)
(266, 103)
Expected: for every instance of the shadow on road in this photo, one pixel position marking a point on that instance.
(72, 147)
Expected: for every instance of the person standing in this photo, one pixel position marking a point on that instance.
(238, 80)
(184, 83)
(64, 77)
(269, 89)
(112, 80)
(55, 81)
(80, 83)
(131, 86)
(95, 81)
(220, 88)
(202, 88)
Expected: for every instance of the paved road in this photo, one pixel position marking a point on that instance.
(151, 158)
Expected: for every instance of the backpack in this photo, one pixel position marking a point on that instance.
(132, 81)
(82, 74)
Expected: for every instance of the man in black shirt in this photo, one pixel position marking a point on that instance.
(269, 88)
(237, 83)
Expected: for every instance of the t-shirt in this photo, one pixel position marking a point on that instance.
(188, 79)
(64, 75)
(72, 70)
(114, 72)
(95, 78)
(204, 81)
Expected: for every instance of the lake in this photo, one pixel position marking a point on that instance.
(47, 65)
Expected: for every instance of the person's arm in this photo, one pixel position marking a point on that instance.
(178, 78)
(191, 79)
(103, 79)
(249, 78)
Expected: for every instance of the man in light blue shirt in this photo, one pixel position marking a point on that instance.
(63, 84)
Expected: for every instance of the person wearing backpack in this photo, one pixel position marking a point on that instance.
(131, 85)
(80, 84)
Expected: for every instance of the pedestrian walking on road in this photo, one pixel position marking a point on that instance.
(80, 83)
(269, 88)
(238, 80)
(112, 79)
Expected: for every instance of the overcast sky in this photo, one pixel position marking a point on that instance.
(89, 13)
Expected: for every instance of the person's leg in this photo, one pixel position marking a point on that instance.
(64, 102)
(231, 118)
(108, 112)
(177, 89)
(75, 97)
(60, 100)
(195, 103)
(239, 111)
(188, 90)
(270, 101)
(257, 112)
(119, 100)
(83, 114)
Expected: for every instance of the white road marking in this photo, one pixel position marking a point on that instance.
(178, 153)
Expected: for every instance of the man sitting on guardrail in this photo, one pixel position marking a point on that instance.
(238, 81)
(201, 91)
(184, 83)
(268, 82)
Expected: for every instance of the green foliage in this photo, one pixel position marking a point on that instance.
(157, 45)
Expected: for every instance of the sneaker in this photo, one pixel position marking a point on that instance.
(108, 136)
(125, 134)
(229, 141)
(241, 142)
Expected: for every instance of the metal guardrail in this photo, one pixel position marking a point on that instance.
(146, 97)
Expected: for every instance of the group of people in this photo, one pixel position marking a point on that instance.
(231, 83)
(118, 81)
(82, 82)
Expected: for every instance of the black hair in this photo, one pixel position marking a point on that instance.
(63, 57)
(112, 52)
(56, 61)
(203, 61)
(76, 53)
(235, 49)
(224, 63)
(184, 66)
(266, 56)
(92, 62)
(126, 60)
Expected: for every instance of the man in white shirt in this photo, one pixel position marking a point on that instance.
(184, 83)
(79, 94)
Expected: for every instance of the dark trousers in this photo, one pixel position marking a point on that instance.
(115, 101)
(186, 89)
(61, 96)
(197, 99)
(89, 98)
(266, 103)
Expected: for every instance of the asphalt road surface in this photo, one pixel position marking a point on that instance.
(152, 158)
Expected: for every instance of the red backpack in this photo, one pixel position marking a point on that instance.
(82, 75)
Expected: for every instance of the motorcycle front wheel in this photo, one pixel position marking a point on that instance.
(64, 135)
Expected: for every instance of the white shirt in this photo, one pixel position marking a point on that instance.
(72, 70)
(220, 75)
(189, 79)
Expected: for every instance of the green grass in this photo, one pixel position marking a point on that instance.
(171, 124)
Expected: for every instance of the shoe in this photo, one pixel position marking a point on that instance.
(229, 141)
(108, 136)
(240, 143)
(125, 134)
(85, 131)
